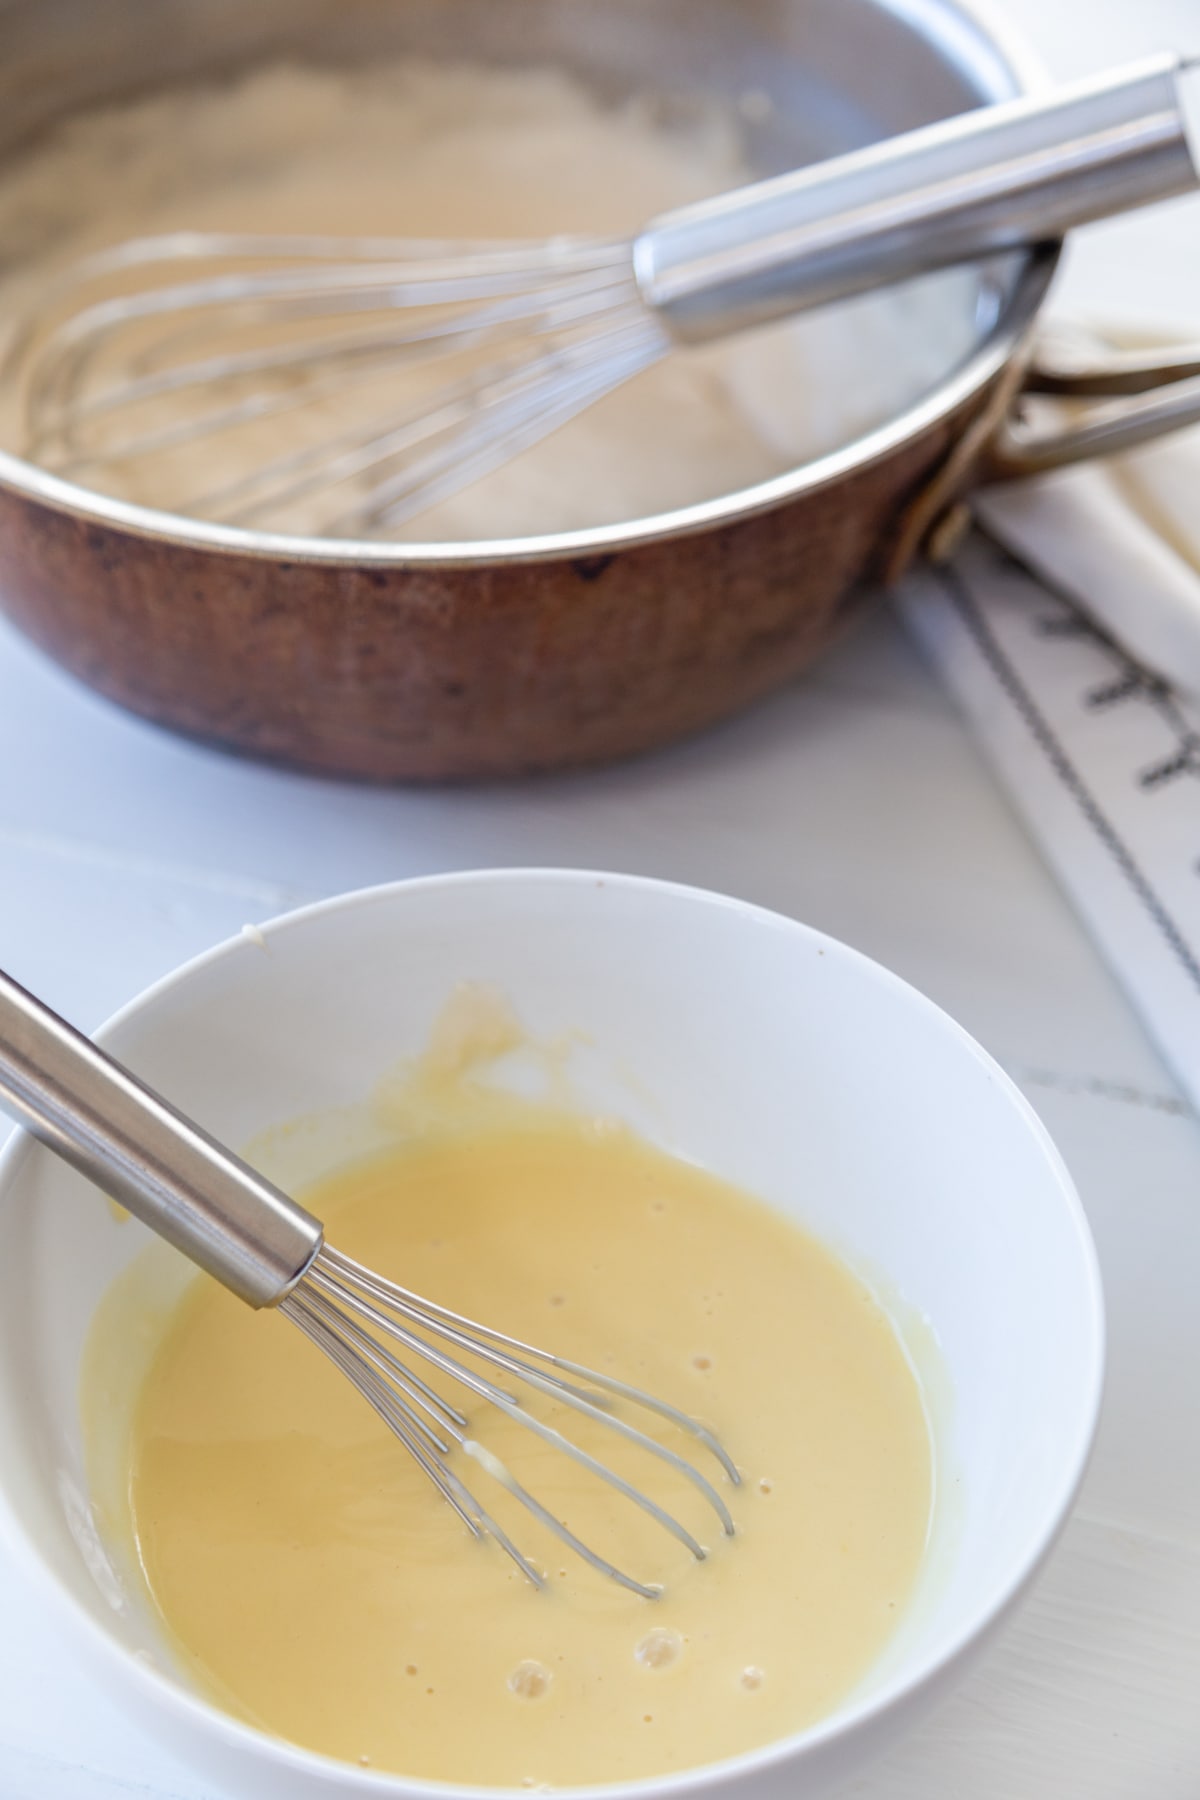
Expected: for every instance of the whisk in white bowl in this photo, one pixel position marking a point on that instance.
(474, 352)
(271, 1252)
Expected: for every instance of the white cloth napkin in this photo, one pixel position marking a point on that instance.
(1079, 530)
(1124, 542)
(1069, 631)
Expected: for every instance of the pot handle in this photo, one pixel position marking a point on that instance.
(1151, 391)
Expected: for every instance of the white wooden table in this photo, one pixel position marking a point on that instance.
(854, 801)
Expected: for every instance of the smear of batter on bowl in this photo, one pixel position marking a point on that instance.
(429, 150)
(309, 1578)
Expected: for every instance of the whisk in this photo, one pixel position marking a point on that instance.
(271, 1252)
(471, 353)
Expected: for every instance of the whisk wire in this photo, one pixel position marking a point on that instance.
(561, 1530)
(154, 385)
(349, 1348)
(499, 255)
(370, 1282)
(543, 399)
(477, 1519)
(488, 1390)
(514, 1357)
(377, 1391)
(399, 1375)
(570, 301)
(357, 1316)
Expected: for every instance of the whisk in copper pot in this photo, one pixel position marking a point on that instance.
(472, 353)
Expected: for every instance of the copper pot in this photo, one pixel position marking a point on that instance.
(428, 662)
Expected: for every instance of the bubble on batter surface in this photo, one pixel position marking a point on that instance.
(659, 1649)
(529, 1680)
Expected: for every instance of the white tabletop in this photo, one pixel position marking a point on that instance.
(854, 801)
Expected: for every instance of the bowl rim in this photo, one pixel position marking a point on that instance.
(971, 25)
(199, 1715)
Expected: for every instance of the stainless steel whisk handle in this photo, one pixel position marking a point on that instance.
(968, 187)
(174, 1177)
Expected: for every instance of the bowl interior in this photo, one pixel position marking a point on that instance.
(751, 1044)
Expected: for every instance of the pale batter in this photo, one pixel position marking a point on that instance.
(315, 1584)
(423, 150)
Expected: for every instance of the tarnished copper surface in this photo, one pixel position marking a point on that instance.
(431, 672)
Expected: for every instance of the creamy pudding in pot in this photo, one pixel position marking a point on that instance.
(416, 149)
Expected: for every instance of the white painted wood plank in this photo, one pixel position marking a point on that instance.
(872, 818)
(88, 932)
(36, 1775)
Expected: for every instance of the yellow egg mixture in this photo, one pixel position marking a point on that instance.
(314, 1583)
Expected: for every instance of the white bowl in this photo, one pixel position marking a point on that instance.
(760, 1048)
